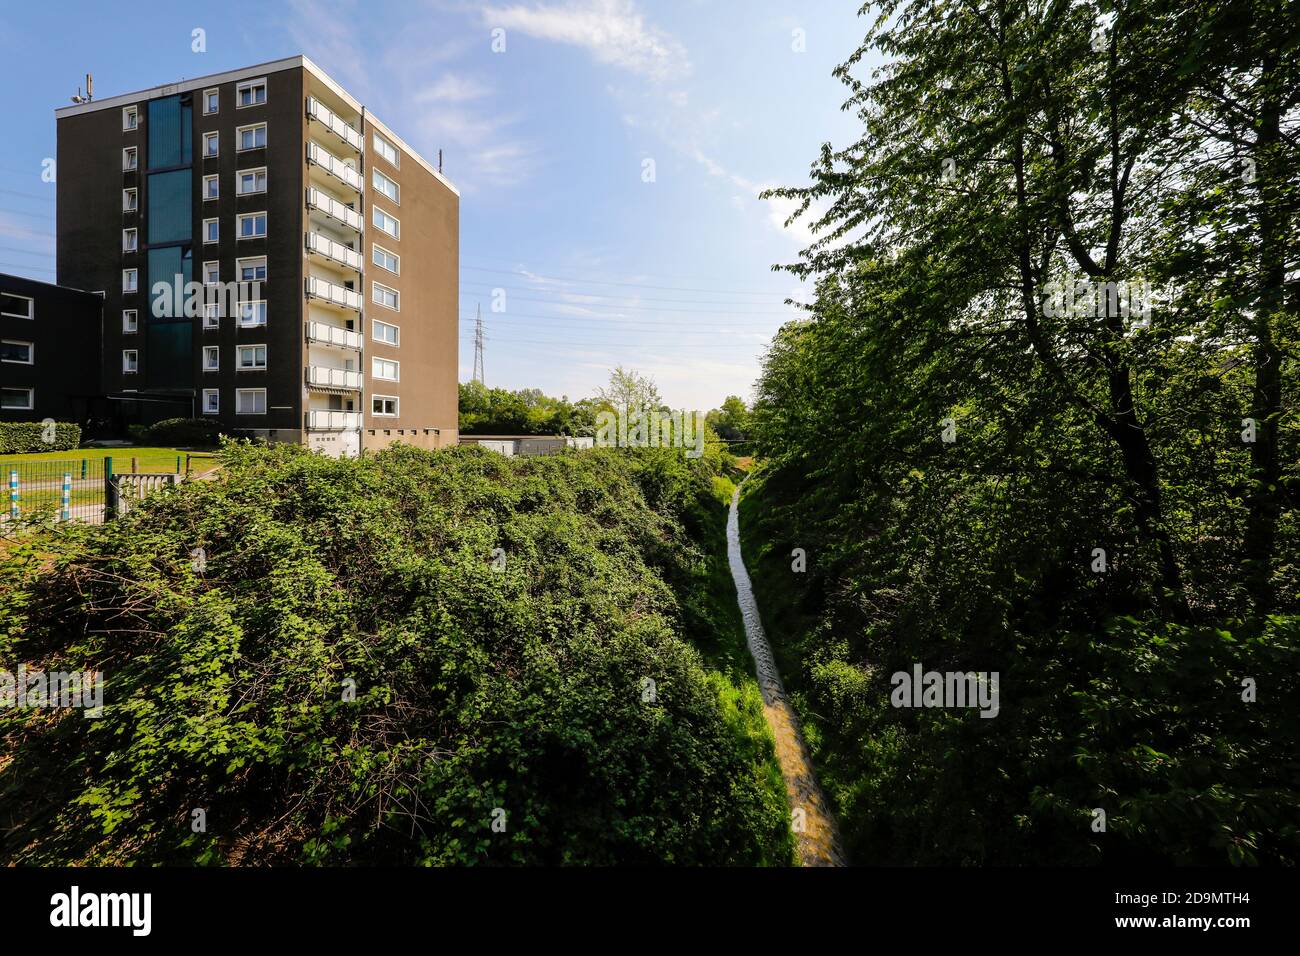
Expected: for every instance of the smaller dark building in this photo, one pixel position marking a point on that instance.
(50, 362)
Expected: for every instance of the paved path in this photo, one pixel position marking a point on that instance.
(818, 842)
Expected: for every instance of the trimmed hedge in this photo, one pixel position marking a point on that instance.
(185, 431)
(21, 438)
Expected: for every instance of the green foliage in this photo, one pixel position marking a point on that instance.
(185, 431)
(498, 411)
(477, 687)
(23, 438)
(731, 421)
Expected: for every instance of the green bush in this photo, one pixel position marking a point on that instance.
(185, 431)
(21, 438)
(508, 691)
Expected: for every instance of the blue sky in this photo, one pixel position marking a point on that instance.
(548, 142)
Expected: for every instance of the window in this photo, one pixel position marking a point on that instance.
(385, 405)
(386, 260)
(211, 187)
(211, 401)
(211, 273)
(130, 361)
(129, 158)
(211, 358)
(252, 225)
(130, 280)
(17, 306)
(211, 230)
(250, 181)
(386, 369)
(211, 144)
(130, 200)
(19, 399)
(383, 332)
(250, 93)
(252, 313)
(211, 101)
(385, 296)
(17, 353)
(387, 223)
(130, 118)
(251, 357)
(387, 187)
(251, 270)
(130, 321)
(212, 315)
(250, 401)
(128, 240)
(252, 137)
(387, 150)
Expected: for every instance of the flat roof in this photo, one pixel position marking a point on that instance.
(250, 72)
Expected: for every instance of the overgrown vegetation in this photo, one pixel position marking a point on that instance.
(501, 621)
(20, 438)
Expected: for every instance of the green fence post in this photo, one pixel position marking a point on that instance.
(110, 490)
(178, 464)
(83, 469)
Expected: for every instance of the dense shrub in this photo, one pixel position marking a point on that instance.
(21, 438)
(185, 431)
(508, 689)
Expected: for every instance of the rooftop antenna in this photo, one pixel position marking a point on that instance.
(478, 344)
(90, 91)
(439, 160)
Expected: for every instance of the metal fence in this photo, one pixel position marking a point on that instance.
(86, 489)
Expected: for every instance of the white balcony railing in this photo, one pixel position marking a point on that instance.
(335, 251)
(333, 421)
(327, 161)
(333, 377)
(325, 334)
(321, 289)
(318, 111)
(334, 209)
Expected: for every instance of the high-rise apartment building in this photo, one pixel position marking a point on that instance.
(317, 257)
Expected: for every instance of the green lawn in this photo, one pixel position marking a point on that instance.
(147, 459)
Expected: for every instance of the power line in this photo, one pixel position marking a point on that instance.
(478, 345)
(631, 304)
(634, 285)
(607, 325)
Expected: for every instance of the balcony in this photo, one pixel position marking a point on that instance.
(345, 131)
(333, 377)
(323, 334)
(333, 421)
(334, 251)
(334, 209)
(327, 161)
(333, 294)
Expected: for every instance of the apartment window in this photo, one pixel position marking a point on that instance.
(386, 369)
(129, 158)
(211, 358)
(252, 225)
(251, 270)
(212, 315)
(128, 240)
(211, 144)
(15, 352)
(211, 187)
(211, 273)
(389, 298)
(250, 93)
(387, 150)
(130, 200)
(252, 137)
(386, 260)
(386, 223)
(17, 306)
(385, 405)
(18, 399)
(250, 181)
(130, 280)
(211, 230)
(130, 118)
(130, 361)
(250, 401)
(211, 101)
(387, 187)
(252, 313)
(130, 321)
(384, 332)
(211, 401)
(251, 358)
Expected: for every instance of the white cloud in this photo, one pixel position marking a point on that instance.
(450, 88)
(612, 31)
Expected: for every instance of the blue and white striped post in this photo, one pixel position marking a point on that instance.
(13, 493)
(67, 496)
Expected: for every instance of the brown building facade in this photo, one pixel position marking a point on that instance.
(272, 256)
